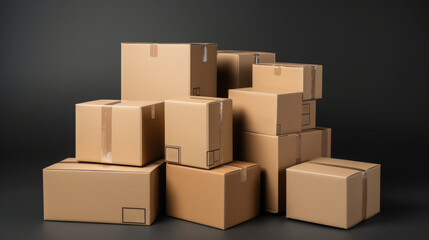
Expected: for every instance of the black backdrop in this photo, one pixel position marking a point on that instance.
(58, 53)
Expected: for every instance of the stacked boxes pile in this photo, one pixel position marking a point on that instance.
(210, 136)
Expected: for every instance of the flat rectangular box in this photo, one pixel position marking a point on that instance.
(289, 77)
(308, 114)
(120, 132)
(275, 153)
(333, 192)
(234, 68)
(266, 111)
(91, 192)
(198, 131)
(160, 71)
(221, 197)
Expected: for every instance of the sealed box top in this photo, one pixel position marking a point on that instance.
(196, 99)
(242, 52)
(119, 103)
(151, 43)
(283, 64)
(70, 164)
(263, 91)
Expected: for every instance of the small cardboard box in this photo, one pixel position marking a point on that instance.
(120, 132)
(198, 131)
(275, 153)
(333, 192)
(160, 71)
(234, 68)
(90, 192)
(308, 114)
(266, 111)
(221, 197)
(289, 77)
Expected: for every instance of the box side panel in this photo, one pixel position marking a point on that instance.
(195, 195)
(373, 191)
(227, 73)
(94, 196)
(354, 199)
(242, 195)
(153, 133)
(88, 133)
(318, 81)
(289, 117)
(316, 198)
(315, 143)
(156, 195)
(309, 114)
(203, 70)
(155, 71)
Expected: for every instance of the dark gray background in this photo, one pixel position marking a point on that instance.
(58, 53)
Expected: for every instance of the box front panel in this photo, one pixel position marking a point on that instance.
(88, 133)
(155, 71)
(289, 79)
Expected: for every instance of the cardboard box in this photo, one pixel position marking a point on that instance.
(90, 192)
(234, 68)
(333, 192)
(198, 131)
(289, 77)
(221, 197)
(275, 153)
(160, 71)
(266, 111)
(120, 132)
(308, 114)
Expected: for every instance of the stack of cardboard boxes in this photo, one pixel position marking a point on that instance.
(169, 142)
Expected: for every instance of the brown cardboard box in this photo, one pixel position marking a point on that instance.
(221, 197)
(290, 77)
(308, 114)
(234, 68)
(120, 132)
(333, 192)
(155, 71)
(275, 153)
(266, 111)
(90, 192)
(198, 131)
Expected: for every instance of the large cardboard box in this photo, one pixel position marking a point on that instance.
(290, 77)
(333, 192)
(91, 192)
(160, 71)
(234, 68)
(275, 153)
(120, 132)
(221, 197)
(266, 111)
(198, 131)
(308, 114)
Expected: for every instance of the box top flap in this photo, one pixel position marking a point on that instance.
(364, 166)
(318, 169)
(119, 103)
(263, 91)
(70, 164)
(283, 64)
(197, 100)
(150, 43)
(242, 52)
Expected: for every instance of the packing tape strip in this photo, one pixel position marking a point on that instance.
(256, 58)
(298, 148)
(153, 50)
(277, 70)
(364, 184)
(243, 172)
(204, 53)
(106, 132)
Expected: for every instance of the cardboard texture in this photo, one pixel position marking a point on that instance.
(266, 111)
(275, 153)
(234, 68)
(308, 114)
(221, 197)
(120, 132)
(333, 192)
(198, 131)
(89, 192)
(160, 71)
(289, 77)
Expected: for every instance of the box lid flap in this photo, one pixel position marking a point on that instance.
(242, 52)
(123, 103)
(311, 168)
(345, 163)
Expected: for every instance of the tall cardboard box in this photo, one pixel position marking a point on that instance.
(160, 71)
(90, 192)
(120, 132)
(266, 111)
(198, 131)
(221, 197)
(333, 192)
(308, 114)
(289, 77)
(234, 68)
(275, 153)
